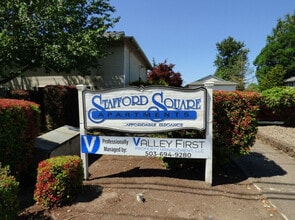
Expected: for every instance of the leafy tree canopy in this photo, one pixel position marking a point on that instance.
(231, 61)
(57, 35)
(253, 87)
(278, 54)
(163, 74)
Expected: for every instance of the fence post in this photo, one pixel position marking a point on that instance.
(84, 156)
(209, 132)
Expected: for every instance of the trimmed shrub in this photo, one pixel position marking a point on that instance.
(53, 99)
(234, 123)
(58, 104)
(278, 104)
(30, 95)
(59, 180)
(61, 106)
(19, 126)
(8, 194)
(234, 128)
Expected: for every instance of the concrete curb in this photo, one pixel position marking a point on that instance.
(285, 147)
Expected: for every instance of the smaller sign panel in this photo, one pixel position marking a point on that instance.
(144, 146)
(145, 109)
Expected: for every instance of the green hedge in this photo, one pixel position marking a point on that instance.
(19, 126)
(59, 180)
(278, 104)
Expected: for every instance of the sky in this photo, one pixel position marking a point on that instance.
(185, 32)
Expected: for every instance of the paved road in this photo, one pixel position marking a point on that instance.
(272, 172)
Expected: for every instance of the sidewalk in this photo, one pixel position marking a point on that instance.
(273, 173)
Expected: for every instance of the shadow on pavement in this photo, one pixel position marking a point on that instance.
(257, 165)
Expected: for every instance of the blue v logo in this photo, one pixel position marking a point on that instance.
(90, 144)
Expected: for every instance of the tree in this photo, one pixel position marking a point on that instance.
(252, 87)
(232, 61)
(56, 35)
(278, 54)
(163, 73)
(273, 78)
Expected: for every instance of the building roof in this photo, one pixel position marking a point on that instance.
(132, 43)
(291, 79)
(210, 78)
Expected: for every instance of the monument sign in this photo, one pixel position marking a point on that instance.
(146, 110)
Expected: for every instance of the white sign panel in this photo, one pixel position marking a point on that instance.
(148, 109)
(144, 146)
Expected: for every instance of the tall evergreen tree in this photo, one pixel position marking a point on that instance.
(231, 61)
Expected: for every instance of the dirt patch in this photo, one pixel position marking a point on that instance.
(137, 187)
